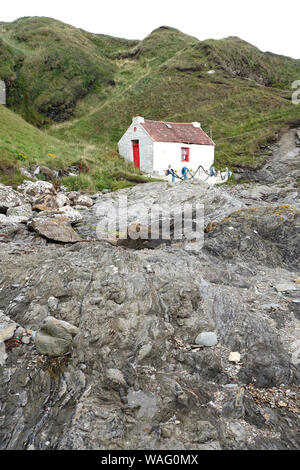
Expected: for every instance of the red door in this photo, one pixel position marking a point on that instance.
(136, 154)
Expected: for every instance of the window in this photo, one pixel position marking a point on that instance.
(185, 154)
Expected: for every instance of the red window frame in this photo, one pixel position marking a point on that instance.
(185, 156)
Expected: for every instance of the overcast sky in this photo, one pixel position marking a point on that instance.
(268, 24)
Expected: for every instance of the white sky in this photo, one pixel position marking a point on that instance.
(271, 25)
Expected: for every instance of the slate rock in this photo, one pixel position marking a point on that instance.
(56, 229)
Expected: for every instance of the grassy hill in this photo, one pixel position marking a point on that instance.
(23, 145)
(84, 88)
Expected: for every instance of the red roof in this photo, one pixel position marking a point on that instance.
(179, 132)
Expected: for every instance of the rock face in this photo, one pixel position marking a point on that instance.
(268, 234)
(55, 337)
(128, 374)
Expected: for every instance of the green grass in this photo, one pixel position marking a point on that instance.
(49, 66)
(83, 89)
(22, 145)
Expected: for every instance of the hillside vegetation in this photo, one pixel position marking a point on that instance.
(24, 146)
(84, 88)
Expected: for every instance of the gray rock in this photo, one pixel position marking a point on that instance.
(52, 303)
(3, 355)
(23, 211)
(26, 173)
(143, 352)
(51, 346)
(50, 201)
(108, 393)
(286, 287)
(55, 337)
(57, 229)
(206, 432)
(207, 339)
(83, 200)
(73, 215)
(59, 328)
(35, 189)
(7, 328)
(8, 198)
(20, 331)
(115, 378)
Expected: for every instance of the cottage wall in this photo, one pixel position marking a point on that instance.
(169, 153)
(145, 146)
(2, 92)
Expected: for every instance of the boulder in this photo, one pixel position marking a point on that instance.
(81, 200)
(35, 189)
(9, 198)
(48, 173)
(56, 229)
(49, 200)
(12, 220)
(66, 212)
(62, 200)
(7, 327)
(45, 202)
(73, 215)
(9, 226)
(24, 211)
(55, 337)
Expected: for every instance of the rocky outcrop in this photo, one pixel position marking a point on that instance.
(269, 235)
(182, 346)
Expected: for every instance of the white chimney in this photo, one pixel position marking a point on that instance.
(196, 124)
(138, 120)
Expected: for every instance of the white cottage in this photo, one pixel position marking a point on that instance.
(153, 146)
